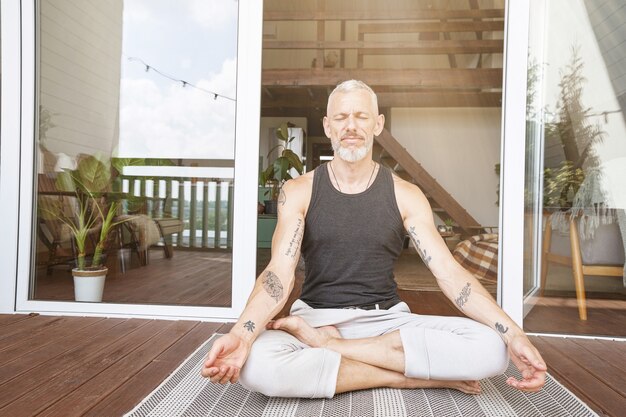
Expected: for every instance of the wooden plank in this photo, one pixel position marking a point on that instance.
(586, 386)
(83, 398)
(421, 27)
(412, 14)
(425, 78)
(129, 394)
(598, 366)
(425, 181)
(36, 400)
(7, 319)
(25, 327)
(402, 99)
(417, 47)
(43, 364)
(20, 346)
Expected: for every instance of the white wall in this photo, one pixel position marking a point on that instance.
(80, 50)
(459, 147)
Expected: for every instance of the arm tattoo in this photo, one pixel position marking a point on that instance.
(272, 285)
(421, 251)
(501, 328)
(296, 239)
(463, 296)
(249, 325)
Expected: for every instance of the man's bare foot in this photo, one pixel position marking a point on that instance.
(468, 387)
(296, 326)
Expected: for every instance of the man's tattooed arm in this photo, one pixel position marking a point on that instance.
(500, 328)
(296, 240)
(249, 325)
(421, 251)
(463, 295)
(273, 286)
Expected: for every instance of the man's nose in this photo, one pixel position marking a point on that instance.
(351, 122)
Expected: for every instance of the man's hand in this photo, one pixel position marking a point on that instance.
(529, 362)
(225, 359)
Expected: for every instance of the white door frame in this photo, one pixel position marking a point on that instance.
(17, 175)
(511, 253)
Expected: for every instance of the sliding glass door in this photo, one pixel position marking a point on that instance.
(135, 110)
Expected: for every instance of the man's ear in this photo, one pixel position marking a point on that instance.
(380, 124)
(326, 124)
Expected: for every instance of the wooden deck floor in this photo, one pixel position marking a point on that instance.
(68, 366)
(84, 366)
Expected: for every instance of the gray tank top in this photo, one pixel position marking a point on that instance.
(350, 244)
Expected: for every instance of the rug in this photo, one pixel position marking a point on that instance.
(186, 393)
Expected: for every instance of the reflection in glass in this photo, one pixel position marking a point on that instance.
(436, 67)
(579, 175)
(148, 89)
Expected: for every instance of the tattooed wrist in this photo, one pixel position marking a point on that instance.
(273, 286)
(249, 325)
(501, 328)
(464, 295)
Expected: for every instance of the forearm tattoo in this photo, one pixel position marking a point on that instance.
(501, 328)
(463, 296)
(249, 325)
(273, 286)
(296, 239)
(421, 251)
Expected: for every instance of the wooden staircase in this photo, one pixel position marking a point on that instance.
(389, 152)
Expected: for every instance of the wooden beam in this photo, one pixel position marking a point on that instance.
(429, 14)
(440, 99)
(396, 47)
(403, 27)
(425, 78)
(400, 99)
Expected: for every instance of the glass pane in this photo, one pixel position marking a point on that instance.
(436, 67)
(136, 119)
(577, 177)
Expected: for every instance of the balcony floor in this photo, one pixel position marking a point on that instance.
(70, 366)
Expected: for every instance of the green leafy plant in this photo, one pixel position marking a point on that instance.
(277, 172)
(93, 213)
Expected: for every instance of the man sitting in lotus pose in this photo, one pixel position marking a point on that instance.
(349, 330)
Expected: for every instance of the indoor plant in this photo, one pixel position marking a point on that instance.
(91, 219)
(277, 171)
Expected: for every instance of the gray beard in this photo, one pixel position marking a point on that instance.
(351, 155)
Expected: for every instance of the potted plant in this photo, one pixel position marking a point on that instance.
(277, 171)
(92, 219)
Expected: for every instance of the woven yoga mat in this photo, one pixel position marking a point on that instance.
(186, 393)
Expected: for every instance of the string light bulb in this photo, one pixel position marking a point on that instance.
(183, 82)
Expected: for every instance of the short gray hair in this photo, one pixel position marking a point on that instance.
(353, 85)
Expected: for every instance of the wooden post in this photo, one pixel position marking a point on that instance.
(205, 213)
(547, 240)
(216, 225)
(577, 266)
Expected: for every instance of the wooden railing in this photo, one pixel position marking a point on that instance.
(206, 213)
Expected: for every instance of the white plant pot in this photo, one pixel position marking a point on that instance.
(89, 285)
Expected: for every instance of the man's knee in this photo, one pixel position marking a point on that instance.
(493, 357)
(261, 371)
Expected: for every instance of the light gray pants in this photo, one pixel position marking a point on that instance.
(435, 347)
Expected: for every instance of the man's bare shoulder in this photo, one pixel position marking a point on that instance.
(297, 192)
(409, 197)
